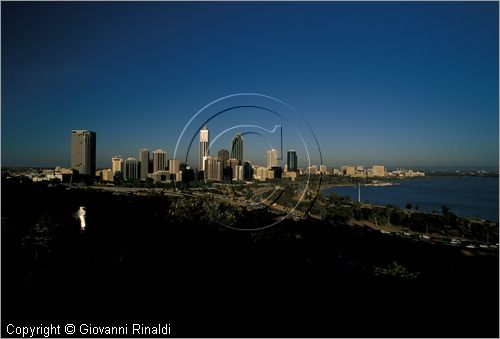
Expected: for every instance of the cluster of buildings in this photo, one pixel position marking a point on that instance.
(157, 167)
(60, 173)
(225, 165)
(403, 173)
(360, 172)
(230, 165)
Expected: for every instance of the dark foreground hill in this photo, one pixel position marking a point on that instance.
(137, 261)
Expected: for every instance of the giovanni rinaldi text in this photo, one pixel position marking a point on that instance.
(87, 329)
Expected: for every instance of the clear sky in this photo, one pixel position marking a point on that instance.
(399, 84)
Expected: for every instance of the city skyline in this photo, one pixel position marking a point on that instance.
(403, 84)
(159, 159)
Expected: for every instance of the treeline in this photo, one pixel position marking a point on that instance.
(341, 209)
(168, 259)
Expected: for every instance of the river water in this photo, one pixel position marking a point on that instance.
(465, 196)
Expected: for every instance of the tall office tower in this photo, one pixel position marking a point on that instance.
(117, 164)
(144, 159)
(237, 148)
(174, 169)
(150, 165)
(204, 138)
(223, 156)
(159, 160)
(232, 163)
(291, 161)
(131, 169)
(272, 158)
(247, 170)
(83, 144)
(238, 173)
(213, 168)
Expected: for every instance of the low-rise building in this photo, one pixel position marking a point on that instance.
(348, 170)
(378, 171)
(105, 174)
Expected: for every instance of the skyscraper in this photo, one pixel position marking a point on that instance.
(291, 161)
(117, 164)
(237, 148)
(233, 163)
(144, 159)
(174, 169)
(239, 173)
(131, 169)
(272, 158)
(204, 139)
(213, 168)
(83, 151)
(159, 160)
(247, 170)
(223, 156)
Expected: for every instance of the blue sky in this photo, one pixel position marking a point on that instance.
(400, 84)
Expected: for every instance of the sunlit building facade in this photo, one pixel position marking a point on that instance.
(378, 171)
(213, 169)
(159, 160)
(174, 169)
(117, 164)
(272, 158)
(204, 139)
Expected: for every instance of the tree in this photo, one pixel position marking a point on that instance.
(356, 210)
(149, 182)
(118, 178)
(55, 181)
(389, 211)
(88, 179)
(334, 198)
(395, 270)
(339, 214)
(132, 182)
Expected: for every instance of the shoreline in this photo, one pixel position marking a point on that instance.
(381, 184)
(399, 196)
